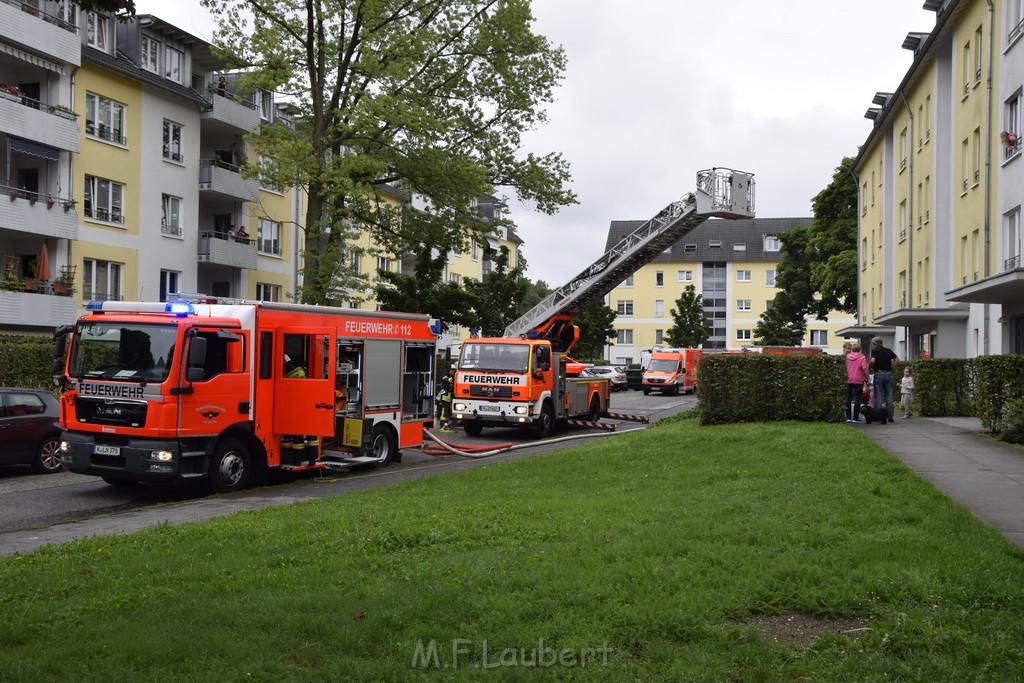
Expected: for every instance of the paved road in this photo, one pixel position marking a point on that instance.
(36, 509)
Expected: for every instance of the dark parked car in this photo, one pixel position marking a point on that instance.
(29, 434)
(615, 375)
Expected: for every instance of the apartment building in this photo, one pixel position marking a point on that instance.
(940, 181)
(40, 134)
(731, 264)
(124, 169)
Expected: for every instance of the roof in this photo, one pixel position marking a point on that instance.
(121, 64)
(749, 232)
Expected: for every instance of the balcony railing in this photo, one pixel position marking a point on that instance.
(14, 94)
(1012, 263)
(105, 132)
(45, 16)
(166, 229)
(100, 214)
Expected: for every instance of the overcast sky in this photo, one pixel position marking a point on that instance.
(656, 90)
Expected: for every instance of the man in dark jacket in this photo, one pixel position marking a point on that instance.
(883, 363)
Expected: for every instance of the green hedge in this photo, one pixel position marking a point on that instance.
(998, 384)
(26, 361)
(942, 386)
(765, 388)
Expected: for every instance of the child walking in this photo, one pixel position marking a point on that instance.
(906, 391)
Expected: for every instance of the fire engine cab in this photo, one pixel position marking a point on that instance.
(224, 390)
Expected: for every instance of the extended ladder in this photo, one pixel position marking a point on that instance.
(721, 192)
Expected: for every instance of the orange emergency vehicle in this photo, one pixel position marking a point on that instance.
(223, 390)
(671, 371)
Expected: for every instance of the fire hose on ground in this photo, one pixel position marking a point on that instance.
(477, 451)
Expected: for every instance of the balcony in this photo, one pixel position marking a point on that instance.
(219, 250)
(32, 120)
(228, 115)
(225, 181)
(36, 309)
(38, 214)
(41, 32)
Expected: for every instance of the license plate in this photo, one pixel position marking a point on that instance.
(489, 409)
(106, 450)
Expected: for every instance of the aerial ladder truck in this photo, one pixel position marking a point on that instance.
(525, 378)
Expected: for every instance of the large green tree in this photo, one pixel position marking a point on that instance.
(818, 269)
(688, 329)
(431, 97)
(596, 328)
(122, 9)
(780, 325)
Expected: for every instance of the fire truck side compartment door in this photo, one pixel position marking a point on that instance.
(304, 381)
(383, 374)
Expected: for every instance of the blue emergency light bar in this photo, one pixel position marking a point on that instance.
(180, 308)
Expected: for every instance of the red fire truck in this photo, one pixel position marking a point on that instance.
(225, 390)
(525, 378)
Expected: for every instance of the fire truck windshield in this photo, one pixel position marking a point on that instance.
(121, 351)
(663, 365)
(495, 357)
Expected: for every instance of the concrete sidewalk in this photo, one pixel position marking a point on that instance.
(984, 475)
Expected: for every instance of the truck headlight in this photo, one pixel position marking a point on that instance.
(459, 406)
(65, 447)
(161, 456)
(522, 410)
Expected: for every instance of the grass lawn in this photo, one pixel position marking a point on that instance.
(742, 552)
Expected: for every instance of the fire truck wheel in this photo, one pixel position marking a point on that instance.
(383, 445)
(472, 428)
(594, 412)
(229, 466)
(545, 422)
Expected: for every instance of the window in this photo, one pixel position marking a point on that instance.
(266, 105)
(355, 262)
(628, 282)
(168, 284)
(743, 276)
(624, 307)
(103, 199)
(454, 278)
(659, 308)
(769, 278)
(1015, 19)
(384, 264)
(173, 60)
(976, 170)
(772, 243)
(624, 336)
(170, 222)
(267, 181)
(101, 280)
(819, 337)
(172, 141)
(1011, 125)
(904, 152)
(1012, 240)
(689, 247)
(744, 335)
(104, 118)
(743, 305)
(268, 237)
(268, 292)
(474, 250)
(903, 220)
(150, 54)
(684, 276)
(965, 161)
(714, 244)
(659, 279)
(98, 31)
(739, 246)
(659, 337)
